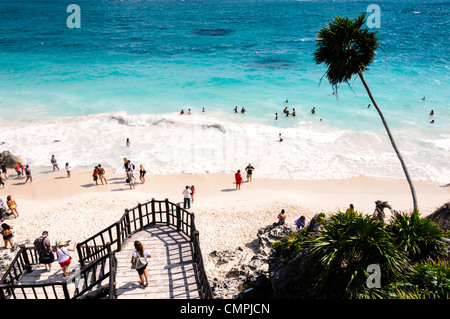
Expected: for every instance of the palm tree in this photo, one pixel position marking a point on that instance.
(347, 49)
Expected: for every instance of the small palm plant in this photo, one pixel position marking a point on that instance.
(346, 48)
(420, 238)
(340, 256)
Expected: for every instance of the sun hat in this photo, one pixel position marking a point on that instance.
(62, 243)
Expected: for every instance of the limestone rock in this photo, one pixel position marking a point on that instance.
(10, 159)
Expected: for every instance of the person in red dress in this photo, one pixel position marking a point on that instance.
(238, 179)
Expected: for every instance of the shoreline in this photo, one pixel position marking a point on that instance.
(75, 208)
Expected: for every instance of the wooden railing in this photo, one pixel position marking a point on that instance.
(97, 253)
(85, 279)
(136, 219)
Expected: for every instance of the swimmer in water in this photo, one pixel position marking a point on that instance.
(313, 111)
(431, 113)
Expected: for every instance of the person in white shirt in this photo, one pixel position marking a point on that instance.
(187, 198)
(68, 169)
(62, 252)
(140, 252)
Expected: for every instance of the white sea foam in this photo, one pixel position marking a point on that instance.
(200, 143)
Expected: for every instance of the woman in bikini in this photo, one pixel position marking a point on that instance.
(7, 235)
(142, 174)
(12, 205)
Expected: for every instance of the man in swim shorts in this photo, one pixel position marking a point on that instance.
(249, 169)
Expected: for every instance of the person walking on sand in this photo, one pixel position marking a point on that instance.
(139, 261)
(128, 143)
(7, 235)
(101, 174)
(131, 179)
(63, 256)
(129, 166)
(28, 174)
(44, 248)
(142, 173)
(238, 179)
(249, 169)
(18, 170)
(95, 175)
(12, 205)
(280, 137)
(68, 169)
(187, 198)
(192, 194)
(54, 163)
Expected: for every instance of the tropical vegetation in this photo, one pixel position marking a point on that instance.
(409, 251)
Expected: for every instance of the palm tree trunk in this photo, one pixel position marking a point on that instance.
(405, 170)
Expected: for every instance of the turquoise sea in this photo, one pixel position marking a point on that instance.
(133, 65)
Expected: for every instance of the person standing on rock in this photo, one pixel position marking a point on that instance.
(282, 218)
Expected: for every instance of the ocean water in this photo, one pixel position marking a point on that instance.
(134, 65)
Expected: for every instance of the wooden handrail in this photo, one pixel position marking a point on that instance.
(101, 246)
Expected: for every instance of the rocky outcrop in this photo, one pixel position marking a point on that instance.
(10, 159)
(263, 274)
(248, 277)
(441, 217)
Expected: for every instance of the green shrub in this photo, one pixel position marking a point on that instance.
(430, 280)
(419, 238)
(289, 246)
(340, 256)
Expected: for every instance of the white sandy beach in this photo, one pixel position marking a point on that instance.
(75, 208)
